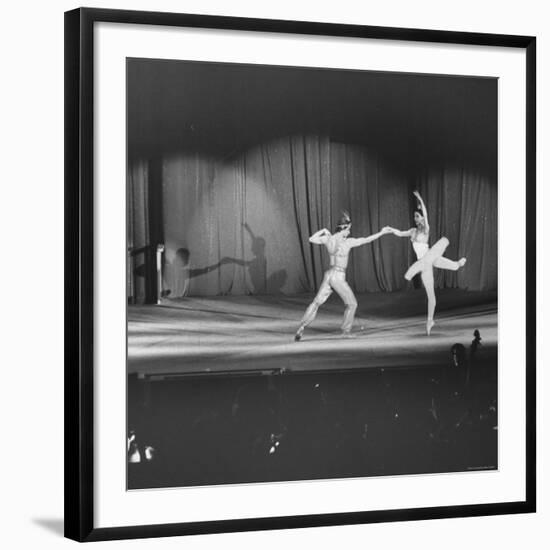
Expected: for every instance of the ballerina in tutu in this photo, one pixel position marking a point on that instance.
(428, 258)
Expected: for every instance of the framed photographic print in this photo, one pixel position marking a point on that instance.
(300, 274)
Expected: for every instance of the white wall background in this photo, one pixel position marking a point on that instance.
(31, 228)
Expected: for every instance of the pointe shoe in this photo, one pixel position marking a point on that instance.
(461, 262)
(348, 334)
(429, 326)
(298, 335)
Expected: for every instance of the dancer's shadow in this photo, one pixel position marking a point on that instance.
(257, 267)
(184, 273)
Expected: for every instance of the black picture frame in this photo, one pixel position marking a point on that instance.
(79, 266)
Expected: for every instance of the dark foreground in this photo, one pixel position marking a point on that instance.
(219, 429)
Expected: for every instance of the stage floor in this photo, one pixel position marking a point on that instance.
(232, 334)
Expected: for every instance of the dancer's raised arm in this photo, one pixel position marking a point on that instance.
(353, 242)
(321, 237)
(423, 209)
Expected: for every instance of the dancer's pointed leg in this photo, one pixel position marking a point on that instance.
(308, 317)
(428, 280)
(322, 296)
(450, 265)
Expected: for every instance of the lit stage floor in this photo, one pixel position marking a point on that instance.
(232, 334)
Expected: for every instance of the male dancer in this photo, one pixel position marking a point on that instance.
(338, 246)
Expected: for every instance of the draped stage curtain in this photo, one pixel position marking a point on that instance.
(240, 225)
(137, 226)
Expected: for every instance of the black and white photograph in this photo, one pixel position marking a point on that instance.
(312, 273)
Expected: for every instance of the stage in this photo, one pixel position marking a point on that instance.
(228, 334)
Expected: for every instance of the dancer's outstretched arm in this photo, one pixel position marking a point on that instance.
(423, 208)
(353, 242)
(321, 237)
(398, 233)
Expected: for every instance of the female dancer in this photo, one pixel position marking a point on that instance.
(428, 258)
(339, 246)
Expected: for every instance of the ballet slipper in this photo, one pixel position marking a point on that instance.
(298, 335)
(429, 325)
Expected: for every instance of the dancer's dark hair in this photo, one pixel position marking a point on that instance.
(344, 222)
